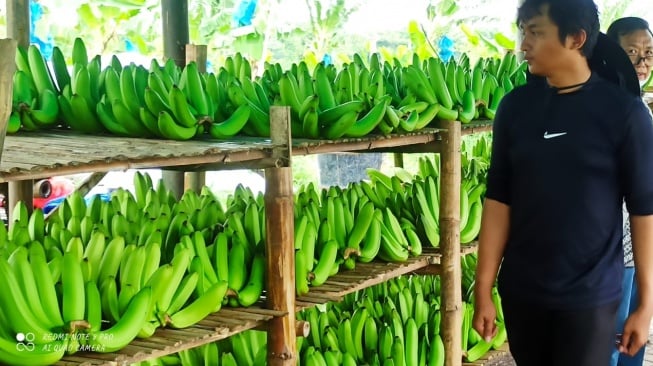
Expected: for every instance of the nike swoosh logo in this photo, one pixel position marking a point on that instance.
(548, 135)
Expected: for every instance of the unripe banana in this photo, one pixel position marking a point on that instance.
(39, 70)
(127, 328)
(233, 124)
(169, 128)
(254, 288)
(209, 302)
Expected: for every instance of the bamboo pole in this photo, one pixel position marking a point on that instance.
(279, 230)
(7, 69)
(18, 29)
(174, 15)
(18, 21)
(198, 54)
(450, 243)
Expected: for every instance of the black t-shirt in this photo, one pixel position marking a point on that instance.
(564, 163)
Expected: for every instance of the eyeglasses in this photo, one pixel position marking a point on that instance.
(636, 59)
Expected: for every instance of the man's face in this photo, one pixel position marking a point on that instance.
(639, 47)
(541, 45)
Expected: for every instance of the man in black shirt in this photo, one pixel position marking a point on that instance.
(568, 148)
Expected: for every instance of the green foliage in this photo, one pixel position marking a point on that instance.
(326, 24)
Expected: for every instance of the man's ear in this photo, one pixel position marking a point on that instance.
(576, 41)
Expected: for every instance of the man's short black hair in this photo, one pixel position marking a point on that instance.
(627, 25)
(571, 16)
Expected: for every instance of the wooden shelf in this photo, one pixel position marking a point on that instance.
(38, 155)
(476, 127)
(420, 141)
(217, 326)
(43, 154)
(469, 248)
(361, 277)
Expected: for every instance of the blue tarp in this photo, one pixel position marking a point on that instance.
(51, 205)
(446, 48)
(244, 13)
(35, 13)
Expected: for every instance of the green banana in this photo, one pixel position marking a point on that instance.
(338, 128)
(128, 91)
(43, 354)
(333, 114)
(325, 263)
(180, 108)
(127, 328)
(39, 70)
(72, 280)
(323, 88)
(209, 302)
(195, 90)
(232, 125)
(169, 128)
(370, 120)
(468, 110)
(106, 117)
(15, 307)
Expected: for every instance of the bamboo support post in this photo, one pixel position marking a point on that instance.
(279, 230)
(197, 54)
(18, 29)
(450, 243)
(174, 15)
(7, 69)
(18, 21)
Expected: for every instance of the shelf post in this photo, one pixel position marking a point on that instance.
(450, 243)
(18, 29)
(198, 54)
(18, 21)
(174, 15)
(399, 159)
(279, 231)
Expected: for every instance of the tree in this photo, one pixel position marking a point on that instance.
(327, 23)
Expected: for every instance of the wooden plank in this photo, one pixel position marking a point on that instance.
(469, 248)
(27, 156)
(451, 303)
(420, 141)
(361, 277)
(476, 127)
(169, 341)
(42, 154)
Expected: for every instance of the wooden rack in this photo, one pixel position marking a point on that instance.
(44, 154)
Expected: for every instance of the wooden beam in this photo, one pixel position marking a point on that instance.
(18, 21)
(450, 244)
(279, 231)
(7, 70)
(18, 30)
